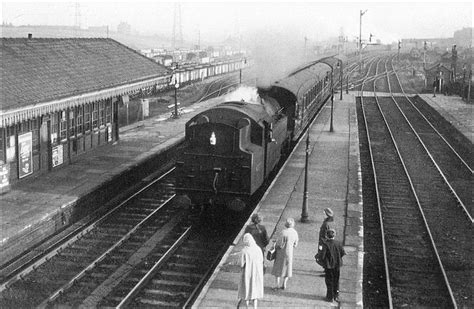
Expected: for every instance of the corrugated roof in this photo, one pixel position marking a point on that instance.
(40, 70)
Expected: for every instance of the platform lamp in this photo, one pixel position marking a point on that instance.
(339, 67)
(304, 210)
(176, 86)
(331, 127)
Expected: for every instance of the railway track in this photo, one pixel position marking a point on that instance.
(83, 261)
(425, 236)
(180, 269)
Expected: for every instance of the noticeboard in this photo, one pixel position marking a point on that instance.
(57, 155)
(25, 154)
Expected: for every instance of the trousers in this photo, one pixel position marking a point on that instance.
(332, 282)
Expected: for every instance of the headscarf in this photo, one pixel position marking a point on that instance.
(249, 241)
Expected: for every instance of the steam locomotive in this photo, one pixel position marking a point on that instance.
(231, 149)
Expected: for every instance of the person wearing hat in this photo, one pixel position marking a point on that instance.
(328, 223)
(331, 257)
(258, 231)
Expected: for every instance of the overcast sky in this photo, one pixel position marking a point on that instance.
(217, 20)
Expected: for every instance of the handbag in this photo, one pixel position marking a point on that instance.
(271, 254)
(318, 258)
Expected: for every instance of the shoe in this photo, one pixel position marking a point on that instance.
(328, 299)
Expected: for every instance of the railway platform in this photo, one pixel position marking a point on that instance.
(454, 109)
(334, 180)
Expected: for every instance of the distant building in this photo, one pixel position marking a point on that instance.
(439, 72)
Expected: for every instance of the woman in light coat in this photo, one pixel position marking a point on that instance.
(251, 279)
(283, 265)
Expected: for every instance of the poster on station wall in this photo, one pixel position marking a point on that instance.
(4, 177)
(25, 154)
(57, 155)
(109, 133)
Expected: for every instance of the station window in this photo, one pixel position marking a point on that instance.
(79, 119)
(54, 129)
(62, 126)
(101, 113)
(108, 111)
(72, 123)
(35, 134)
(95, 114)
(87, 117)
(2, 145)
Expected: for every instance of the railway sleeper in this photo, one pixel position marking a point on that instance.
(159, 303)
(171, 283)
(179, 274)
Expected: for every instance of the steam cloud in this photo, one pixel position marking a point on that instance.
(276, 53)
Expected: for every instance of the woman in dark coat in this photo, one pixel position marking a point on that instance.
(258, 231)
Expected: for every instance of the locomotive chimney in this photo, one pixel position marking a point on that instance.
(30, 35)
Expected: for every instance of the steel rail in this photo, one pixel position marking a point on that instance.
(379, 206)
(460, 202)
(446, 281)
(431, 125)
(77, 235)
(118, 243)
(152, 271)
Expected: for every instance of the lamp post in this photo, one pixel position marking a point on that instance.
(339, 66)
(176, 86)
(360, 39)
(463, 78)
(304, 210)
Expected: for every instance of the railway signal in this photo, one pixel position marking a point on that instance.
(360, 39)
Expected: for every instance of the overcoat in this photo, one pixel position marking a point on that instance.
(251, 263)
(283, 265)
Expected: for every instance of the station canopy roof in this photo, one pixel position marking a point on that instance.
(44, 75)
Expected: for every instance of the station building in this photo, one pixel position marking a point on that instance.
(60, 97)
